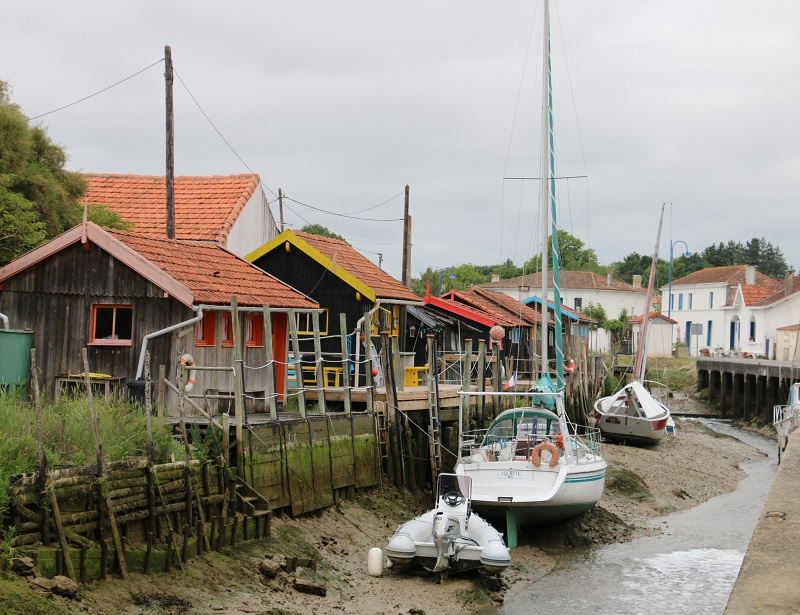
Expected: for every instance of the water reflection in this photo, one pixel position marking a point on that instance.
(691, 568)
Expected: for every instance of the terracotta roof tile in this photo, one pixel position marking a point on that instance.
(790, 287)
(755, 294)
(205, 207)
(213, 274)
(360, 267)
(732, 275)
(568, 279)
(500, 305)
(653, 315)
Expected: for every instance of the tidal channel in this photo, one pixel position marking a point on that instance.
(690, 568)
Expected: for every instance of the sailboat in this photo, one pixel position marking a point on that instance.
(634, 413)
(533, 463)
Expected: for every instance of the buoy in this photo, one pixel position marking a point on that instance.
(375, 562)
(374, 372)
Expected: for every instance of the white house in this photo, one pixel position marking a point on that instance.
(580, 289)
(714, 309)
(758, 323)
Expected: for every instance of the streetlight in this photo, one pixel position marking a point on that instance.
(687, 255)
(452, 276)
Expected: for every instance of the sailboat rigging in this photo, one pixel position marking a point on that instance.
(533, 463)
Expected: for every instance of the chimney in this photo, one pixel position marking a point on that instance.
(609, 277)
(637, 281)
(495, 277)
(749, 274)
(788, 280)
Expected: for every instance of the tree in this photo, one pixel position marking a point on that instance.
(760, 252)
(322, 231)
(36, 167)
(597, 312)
(572, 254)
(21, 229)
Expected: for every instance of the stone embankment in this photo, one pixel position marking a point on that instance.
(769, 580)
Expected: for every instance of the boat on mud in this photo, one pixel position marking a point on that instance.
(533, 463)
(636, 413)
(450, 537)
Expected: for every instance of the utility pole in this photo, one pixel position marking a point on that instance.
(406, 278)
(280, 206)
(170, 145)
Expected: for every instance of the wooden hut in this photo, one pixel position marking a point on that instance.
(116, 293)
(342, 281)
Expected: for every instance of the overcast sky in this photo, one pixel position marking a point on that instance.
(341, 104)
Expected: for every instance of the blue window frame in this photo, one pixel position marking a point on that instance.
(710, 301)
(708, 334)
(680, 301)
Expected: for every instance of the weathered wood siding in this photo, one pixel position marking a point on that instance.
(309, 277)
(54, 298)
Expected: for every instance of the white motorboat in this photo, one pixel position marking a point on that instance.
(787, 418)
(450, 538)
(533, 463)
(634, 413)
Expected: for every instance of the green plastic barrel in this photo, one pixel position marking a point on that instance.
(15, 356)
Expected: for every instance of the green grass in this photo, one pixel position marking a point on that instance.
(67, 436)
(16, 597)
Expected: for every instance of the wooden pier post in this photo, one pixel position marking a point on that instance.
(270, 391)
(298, 364)
(318, 367)
(348, 405)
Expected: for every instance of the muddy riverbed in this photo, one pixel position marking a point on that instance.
(643, 484)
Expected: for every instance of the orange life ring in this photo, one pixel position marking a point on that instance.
(535, 457)
(569, 366)
(188, 361)
(560, 441)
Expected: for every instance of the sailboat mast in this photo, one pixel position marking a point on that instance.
(545, 175)
(641, 351)
(549, 223)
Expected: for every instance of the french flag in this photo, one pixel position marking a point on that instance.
(511, 382)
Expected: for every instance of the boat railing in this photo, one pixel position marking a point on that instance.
(471, 440)
(587, 443)
(783, 412)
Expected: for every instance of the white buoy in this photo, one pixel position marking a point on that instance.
(375, 562)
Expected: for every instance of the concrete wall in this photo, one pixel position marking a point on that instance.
(769, 579)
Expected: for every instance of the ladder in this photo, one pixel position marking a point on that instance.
(382, 421)
(434, 429)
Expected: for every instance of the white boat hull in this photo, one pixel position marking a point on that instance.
(633, 415)
(528, 467)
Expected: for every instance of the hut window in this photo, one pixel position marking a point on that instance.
(112, 325)
(227, 329)
(305, 323)
(204, 330)
(254, 331)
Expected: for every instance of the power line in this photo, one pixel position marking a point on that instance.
(36, 117)
(333, 213)
(224, 140)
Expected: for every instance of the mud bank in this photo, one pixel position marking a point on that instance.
(679, 473)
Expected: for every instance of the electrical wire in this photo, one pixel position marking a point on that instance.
(36, 117)
(333, 213)
(224, 140)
